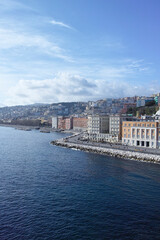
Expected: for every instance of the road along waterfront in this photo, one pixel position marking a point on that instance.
(110, 151)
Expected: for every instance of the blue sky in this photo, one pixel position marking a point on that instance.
(78, 50)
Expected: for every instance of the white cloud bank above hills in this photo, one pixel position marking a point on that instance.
(69, 87)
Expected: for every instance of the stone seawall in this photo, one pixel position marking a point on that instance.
(110, 152)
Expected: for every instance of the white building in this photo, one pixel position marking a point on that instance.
(114, 125)
(98, 129)
(55, 122)
(98, 124)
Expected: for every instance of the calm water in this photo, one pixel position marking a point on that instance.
(48, 192)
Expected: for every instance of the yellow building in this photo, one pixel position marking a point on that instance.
(141, 133)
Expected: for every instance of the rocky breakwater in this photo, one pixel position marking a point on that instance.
(109, 151)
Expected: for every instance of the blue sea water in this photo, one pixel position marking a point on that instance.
(48, 192)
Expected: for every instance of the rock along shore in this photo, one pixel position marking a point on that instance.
(109, 151)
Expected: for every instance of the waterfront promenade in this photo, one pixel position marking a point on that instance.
(119, 146)
(116, 150)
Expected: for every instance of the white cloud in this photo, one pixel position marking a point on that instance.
(60, 24)
(64, 87)
(19, 39)
(69, 87)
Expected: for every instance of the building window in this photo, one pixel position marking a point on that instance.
(147, 144)
(142, 143)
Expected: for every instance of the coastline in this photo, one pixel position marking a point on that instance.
(109, 151)
(29, 128)
(132, 155)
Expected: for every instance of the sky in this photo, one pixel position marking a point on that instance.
(78, 50)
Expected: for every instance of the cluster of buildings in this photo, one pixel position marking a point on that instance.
(111, 106)
(41, 111)
(144, 101)
(128, 130)
(102, 120)
(67, 123)
(107, 106)
(96, 127)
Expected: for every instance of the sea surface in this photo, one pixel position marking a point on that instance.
(53, 193)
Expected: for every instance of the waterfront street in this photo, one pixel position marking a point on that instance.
(77, 139)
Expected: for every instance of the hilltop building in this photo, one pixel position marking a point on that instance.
(142, 101)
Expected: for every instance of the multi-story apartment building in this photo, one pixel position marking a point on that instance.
(54, 122)
(98, 124)
(98, 129)
(61, 122)
(141, 133)
(64, 123)
(80, 123)
(115, 125)
(68, 123)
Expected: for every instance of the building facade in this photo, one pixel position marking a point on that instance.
(68, 123)
(80, 123)
(63, 123)
(98, 129)
(103, 137)
(55, 122)
(141, 133)
(115, 125)
(98, 124)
